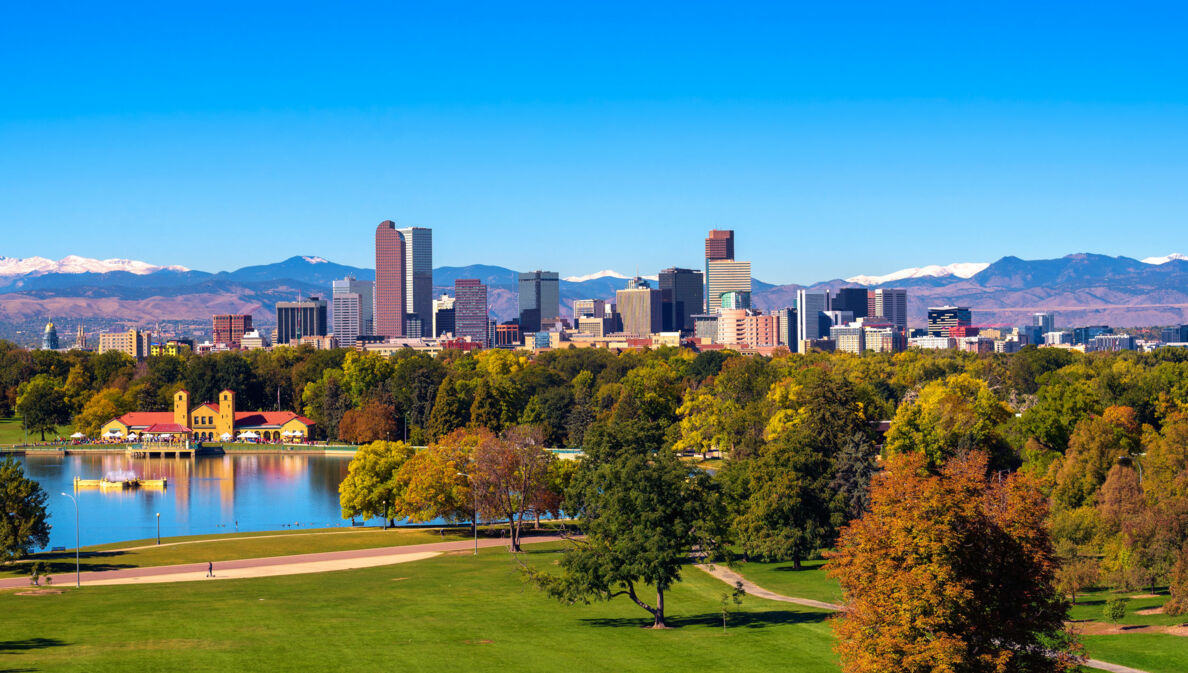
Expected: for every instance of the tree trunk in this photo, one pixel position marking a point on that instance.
(796, 563)
(514, 530)
(658, 622)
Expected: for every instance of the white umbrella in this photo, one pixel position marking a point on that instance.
(226, 436)
(112, 433)
(248, 435)
(131, 435)
(148, 435)
(77, 435)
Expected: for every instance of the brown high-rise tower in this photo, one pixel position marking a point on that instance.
(719, 244)
(389, 280)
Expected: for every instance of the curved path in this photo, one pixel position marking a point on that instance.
(274, 565)
(730, 577)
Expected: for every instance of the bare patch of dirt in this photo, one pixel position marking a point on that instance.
(39, 592)
(1139, 597)
(1150, 611)
(398, 579)
(1177, 630)
(478, 642)
(1088, 628)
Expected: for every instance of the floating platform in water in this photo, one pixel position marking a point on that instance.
(120, 484)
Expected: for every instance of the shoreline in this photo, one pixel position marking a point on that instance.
(221, 451)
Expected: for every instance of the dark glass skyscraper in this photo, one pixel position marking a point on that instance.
(296, 319)
(683, 296)
(540, 300)
(852, 299)
(942, 319)
(470, 310)
(390, 280)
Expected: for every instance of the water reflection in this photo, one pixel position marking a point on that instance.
(205, 495)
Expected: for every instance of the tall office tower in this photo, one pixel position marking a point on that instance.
(735, 300)
(943, 319)
(443, 315)
(719, 244)
(1045, 321)
(390, 280)
(303, 318)
(589, 308)
(470, 311)
(852, 299)
(418, 275)
(725, 275)
(870, 304)
(786, 327)
(891, 305)
(683, 296)
(640, 308)
(810, 320)
(540, 300)
(230, 328)
(353, 304)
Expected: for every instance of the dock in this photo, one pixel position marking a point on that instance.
(119, 485)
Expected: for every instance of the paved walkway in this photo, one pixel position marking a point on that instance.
(730, 577)
(275, 565)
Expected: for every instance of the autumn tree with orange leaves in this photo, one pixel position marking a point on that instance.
(952, 571)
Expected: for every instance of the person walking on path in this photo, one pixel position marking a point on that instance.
(210, 568)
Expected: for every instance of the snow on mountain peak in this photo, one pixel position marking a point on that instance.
(1165, 259)
(316, 260)
(605, 273)
(40, 266)
(959, 270)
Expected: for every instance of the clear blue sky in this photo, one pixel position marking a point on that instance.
(836, 139)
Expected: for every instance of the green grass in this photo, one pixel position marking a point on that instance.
(1154, 652)
(452, 612)
(808, 582)
(11, 432)
(1090, 606)
(200, 549)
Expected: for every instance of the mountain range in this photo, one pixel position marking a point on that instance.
(1081, 288)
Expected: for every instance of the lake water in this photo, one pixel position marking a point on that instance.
(207, 494)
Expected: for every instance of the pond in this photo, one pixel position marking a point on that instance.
(207, 494)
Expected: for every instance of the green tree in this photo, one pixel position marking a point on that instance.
(1115, 609)
(23, 522)
(956, 414)
(642, 512)
(433, 483)
(103, 406)
(853, 468)
(370, 487)
(42, 405)
(1096, 445)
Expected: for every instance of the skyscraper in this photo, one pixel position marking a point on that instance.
(1045, 321)
(683, 293)
(418, 275)
(719, 244)
(852, 299)
(470, 310)
(540, 300)
(353, 304)
(640, 309)
(229, 329)
(303, 318)
(786, 327)
(811, 322)
(726, 275)
(943, 319)
(443, 315)
(891, 305)
(390, 281)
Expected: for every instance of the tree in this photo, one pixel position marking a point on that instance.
(642, 511)
(508, 473)
(23, 522)
(374, 422)
(951, 571)
(42, 405)
(853, 468)
(731, 599)
(1178, 587)
(433, 482)
(102, 407)
(1096, 445)
(956, 414)
(786, 516)
(1115, 609)
(1076, 574)
(371, 487)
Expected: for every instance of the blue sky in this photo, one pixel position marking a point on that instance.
(835, 138)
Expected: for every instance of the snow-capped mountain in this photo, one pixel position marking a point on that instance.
(39, 266)
(605, 273)
(958, 270)
(1165, 259)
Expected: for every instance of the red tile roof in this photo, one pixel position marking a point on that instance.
(254, 419)
(140, 419)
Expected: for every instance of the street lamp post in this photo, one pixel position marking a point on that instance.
(158, 528)
(77, 579)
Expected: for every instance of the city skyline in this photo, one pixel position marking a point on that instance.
(787, 125)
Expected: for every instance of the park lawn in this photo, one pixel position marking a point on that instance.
(452, 612)
(11, 432)
(1152, 652)
(1091, 606)
(238, 546)
(808, 582)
